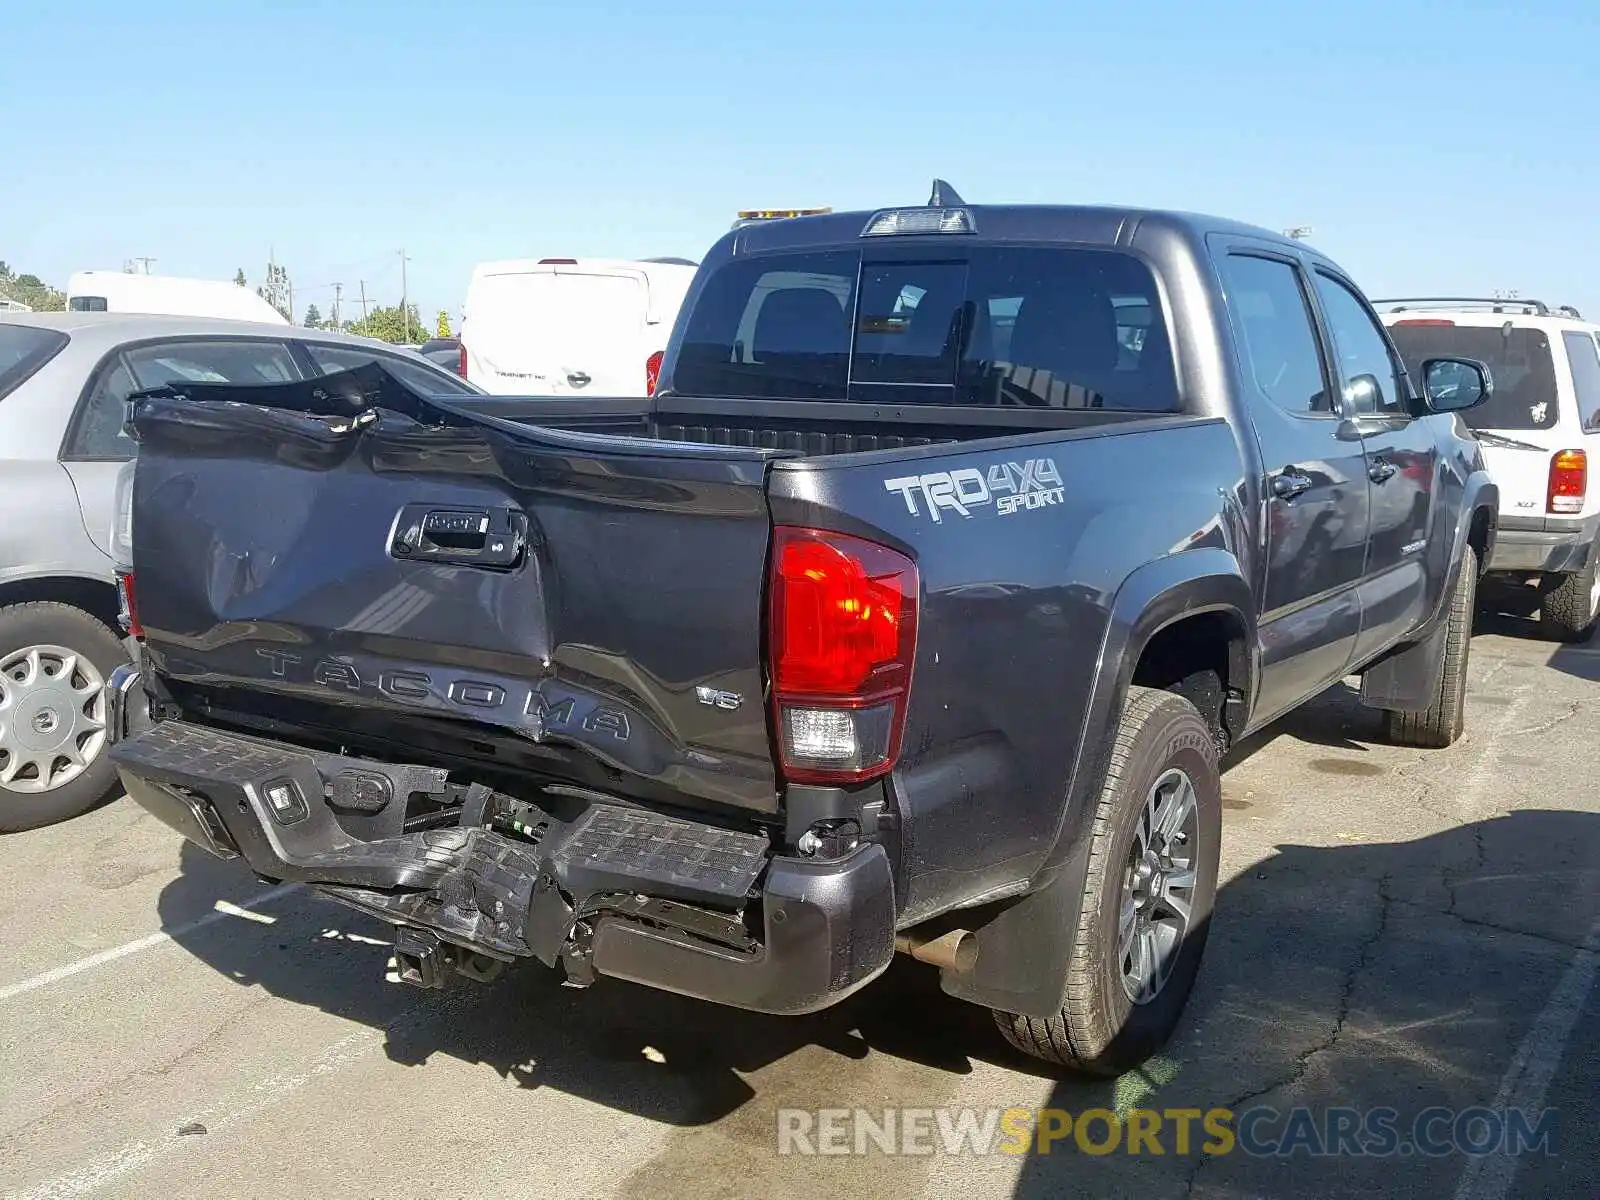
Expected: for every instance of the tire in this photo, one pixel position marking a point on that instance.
(1102, 1030)
(35, 709)
(1567, 612)
(1442, 722)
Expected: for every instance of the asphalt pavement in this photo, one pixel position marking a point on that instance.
(1408, 931)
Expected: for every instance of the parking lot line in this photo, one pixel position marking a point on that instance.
(1533, 1066)
(88, 963)
(108, 1168)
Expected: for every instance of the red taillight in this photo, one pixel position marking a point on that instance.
(1426, 321)
(558, 262)
(461, 359)
(128, 610)
(1569, 481)
(842, 634)
(652, 373)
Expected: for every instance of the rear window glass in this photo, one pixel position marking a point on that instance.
(1519, 359)
(423, 376)
(23, 350)
(1054, 328)
(1584, 359)
(87, 304)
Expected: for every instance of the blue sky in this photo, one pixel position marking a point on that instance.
(1434, 147)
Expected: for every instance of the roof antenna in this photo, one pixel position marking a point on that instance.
(944, 196)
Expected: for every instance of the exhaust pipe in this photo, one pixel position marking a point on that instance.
(954, 951)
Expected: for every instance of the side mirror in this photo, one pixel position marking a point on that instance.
(1455, 384)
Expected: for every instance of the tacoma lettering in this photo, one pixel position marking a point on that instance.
(519, 706)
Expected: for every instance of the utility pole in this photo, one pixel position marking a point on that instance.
(338, 291)
(143, 260)
(363, 301)
(1298, 232)
(405, 302)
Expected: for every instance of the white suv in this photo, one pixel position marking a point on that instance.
(1540, 433)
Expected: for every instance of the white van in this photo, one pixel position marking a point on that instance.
(567, 326)
(169, 295)
(1540, 433)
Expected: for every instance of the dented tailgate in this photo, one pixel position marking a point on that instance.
(344, 554)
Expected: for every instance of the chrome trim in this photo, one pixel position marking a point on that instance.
(128, 707)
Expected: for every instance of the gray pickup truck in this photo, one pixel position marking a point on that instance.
(913, 612)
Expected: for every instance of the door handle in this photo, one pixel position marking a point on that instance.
(578, 378)
(1380, 469)
(1286, 485)
(469, 537)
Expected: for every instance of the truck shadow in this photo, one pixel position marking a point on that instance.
(649, 1053)
(1336, 719)
(1396, 973)
(1401, 974)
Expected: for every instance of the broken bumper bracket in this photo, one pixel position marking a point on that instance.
(614, 890)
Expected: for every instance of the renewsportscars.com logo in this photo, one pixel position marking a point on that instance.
(1010, 487)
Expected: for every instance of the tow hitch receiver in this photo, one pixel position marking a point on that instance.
(418, 958)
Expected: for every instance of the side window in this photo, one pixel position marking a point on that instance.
(1367, 371)
(1272, 320)
(99, 432)
(1584, 359)
(420, 375)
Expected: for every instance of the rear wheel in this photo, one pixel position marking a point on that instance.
(1441, 723)
(1147, 898)
(54, 662)
(1568, 611)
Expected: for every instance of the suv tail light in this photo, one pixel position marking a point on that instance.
(842, 635)
(461, 359)
(127, 605)
(652, 372)
(1569, 481)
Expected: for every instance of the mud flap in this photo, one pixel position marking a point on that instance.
(1407, 680)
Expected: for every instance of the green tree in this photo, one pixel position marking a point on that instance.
(30, 290)
(388, 324)
(442, 326)
(239, 279)
(313, 317)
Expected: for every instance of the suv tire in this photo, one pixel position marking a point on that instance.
(1567, 612)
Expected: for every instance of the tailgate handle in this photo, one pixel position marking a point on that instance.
(477, 537)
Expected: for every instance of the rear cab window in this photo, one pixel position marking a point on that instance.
(1525, 394)
(23, 350)
(423, 376)
(1045, 327)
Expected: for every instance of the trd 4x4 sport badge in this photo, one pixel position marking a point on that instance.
(1011, 487)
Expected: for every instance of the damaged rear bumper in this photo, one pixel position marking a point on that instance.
(603, 888)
